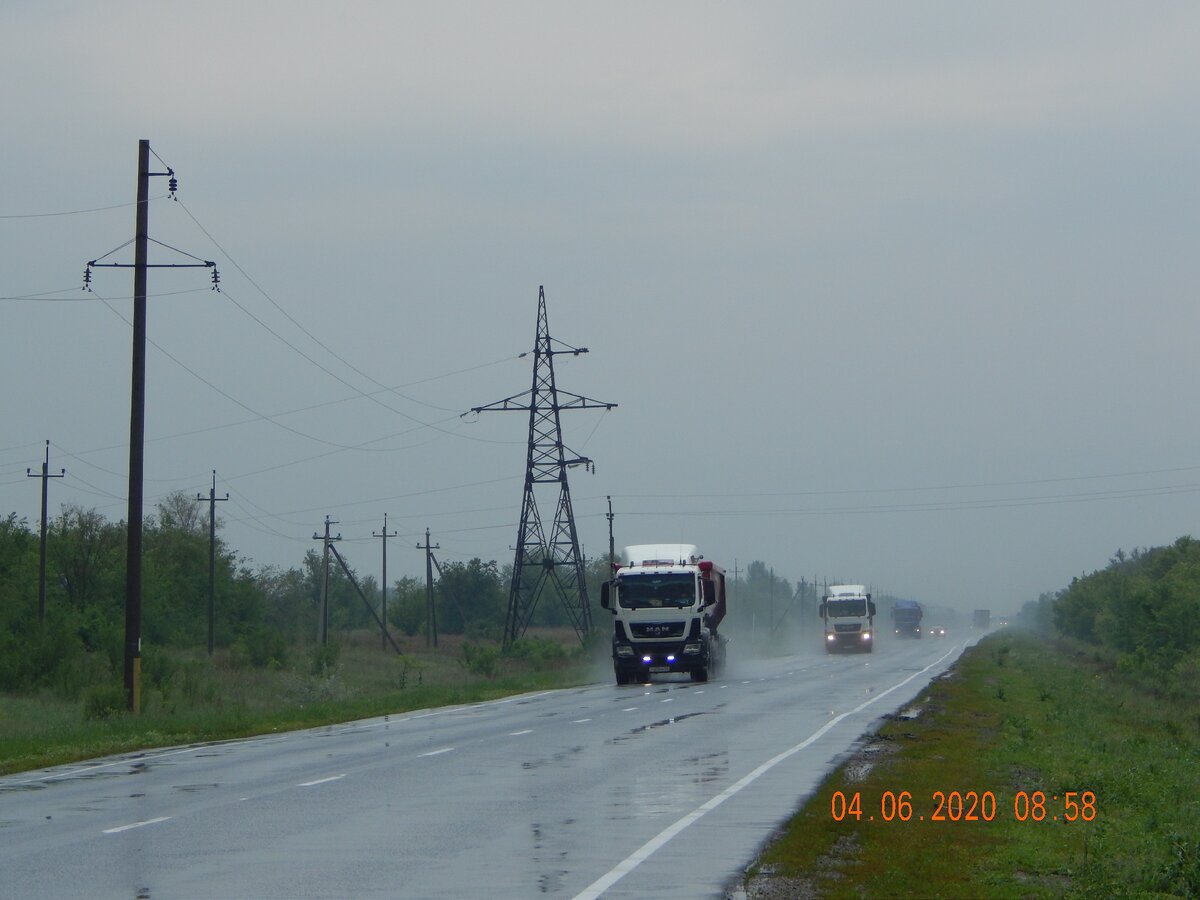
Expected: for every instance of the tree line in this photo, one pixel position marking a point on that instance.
(262, 613)
(1144, 607)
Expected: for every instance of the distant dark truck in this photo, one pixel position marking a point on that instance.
(906, 617)
(983, 618)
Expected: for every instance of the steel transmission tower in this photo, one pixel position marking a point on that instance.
(546, 558)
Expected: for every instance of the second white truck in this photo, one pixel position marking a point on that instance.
(849, 615)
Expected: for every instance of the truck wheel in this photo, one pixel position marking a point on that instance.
(700, 674)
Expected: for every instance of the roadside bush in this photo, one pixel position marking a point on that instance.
(325, 658)
(260, 648)
(104, 701)
(539, 652)
(481, 660)
(158, 668)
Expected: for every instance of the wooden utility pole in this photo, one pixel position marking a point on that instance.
(137, 412)
(212, 556)
(431, 636)
(137, 434)
(383, 636)
(612, 556)
(45, 476)
(323, 626)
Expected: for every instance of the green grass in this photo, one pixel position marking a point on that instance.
(188, 698)
(1016, 714)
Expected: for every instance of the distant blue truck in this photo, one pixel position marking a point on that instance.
(906, 617)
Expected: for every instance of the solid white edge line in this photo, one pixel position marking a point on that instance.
(121, 828)
(519, 733)
(635, 859)
(435, 752)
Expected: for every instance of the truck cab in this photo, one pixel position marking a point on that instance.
(666, 601)
(849, 616)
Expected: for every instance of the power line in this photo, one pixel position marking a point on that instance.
(312, 337)
(76, 212)
(897, 490)
(943, 506)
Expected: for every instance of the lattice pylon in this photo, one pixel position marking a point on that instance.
(542, 561)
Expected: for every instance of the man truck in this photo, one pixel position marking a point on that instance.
(906, 616)
(849, 615)
(667, 601)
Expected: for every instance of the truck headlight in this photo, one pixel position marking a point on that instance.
(830, 637)
(691, 648)
(624, 650)
(866, 635)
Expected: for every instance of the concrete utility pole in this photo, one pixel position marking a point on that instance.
(323, 626)
(431, 636)
(385, 536)
(213, 499)
(45, 476)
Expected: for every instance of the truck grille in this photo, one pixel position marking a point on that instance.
(657, 629)
(851, 627)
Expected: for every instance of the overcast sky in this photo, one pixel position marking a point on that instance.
(899, 293)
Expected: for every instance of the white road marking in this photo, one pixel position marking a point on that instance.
(629, 709)
(635, 859)
(666, 699)
(121, 828)
(435, 752)
(580, 721)
(519, 733)
(321, 780)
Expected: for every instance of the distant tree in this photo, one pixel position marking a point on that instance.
(179, 511)
(471, 599)
(290, 601)
(88, 557)
(406, 605)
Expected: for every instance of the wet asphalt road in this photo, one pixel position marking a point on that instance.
(664, 790)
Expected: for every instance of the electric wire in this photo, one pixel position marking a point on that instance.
(224, 393)
(76, 212)
(320, 343)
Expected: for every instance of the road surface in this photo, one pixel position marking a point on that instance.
(664, 790)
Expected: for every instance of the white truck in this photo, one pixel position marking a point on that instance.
(849, 615)
(666, 601)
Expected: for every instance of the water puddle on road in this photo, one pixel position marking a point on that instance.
(642, 729)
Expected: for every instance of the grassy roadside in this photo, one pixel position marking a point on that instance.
(191, 698)
(1016, 714)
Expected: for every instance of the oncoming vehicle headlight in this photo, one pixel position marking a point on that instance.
(830, 637)
(866, 635)
(624, 650)
(691, 648)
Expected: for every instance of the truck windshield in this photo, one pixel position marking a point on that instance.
(672, 591)
(837, 609)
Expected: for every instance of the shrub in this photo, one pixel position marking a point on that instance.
(541, 653)
(481, 660)
(261, 648)
(103, 701)
(325, 658)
